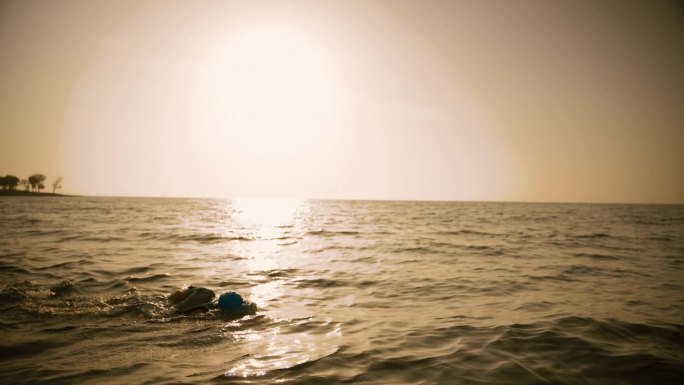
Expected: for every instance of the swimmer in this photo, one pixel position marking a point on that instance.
(200, 298)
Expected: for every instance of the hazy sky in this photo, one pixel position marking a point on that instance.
(450, 100)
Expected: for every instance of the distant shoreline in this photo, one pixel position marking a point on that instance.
(31, 193)
(48, 194)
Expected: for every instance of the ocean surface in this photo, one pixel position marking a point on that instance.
(353, 292)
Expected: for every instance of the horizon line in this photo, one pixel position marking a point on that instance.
(381, 199)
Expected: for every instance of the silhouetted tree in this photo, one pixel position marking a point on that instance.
(25, 184)
(12, 182)
(57, 184)
(9, 182)
(36, 182)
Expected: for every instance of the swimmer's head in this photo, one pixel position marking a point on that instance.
(230, 301)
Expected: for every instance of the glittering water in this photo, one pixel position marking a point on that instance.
(347, 292)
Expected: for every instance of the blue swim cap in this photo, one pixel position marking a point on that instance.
(230, 301)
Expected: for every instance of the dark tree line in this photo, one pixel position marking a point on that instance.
(9, 182)
(35, 183)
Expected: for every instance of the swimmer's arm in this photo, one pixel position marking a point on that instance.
(204, 306)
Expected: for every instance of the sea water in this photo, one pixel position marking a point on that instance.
(362, 292)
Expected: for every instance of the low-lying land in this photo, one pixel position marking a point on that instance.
(30, 193)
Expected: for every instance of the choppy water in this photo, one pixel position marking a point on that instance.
(347, 292)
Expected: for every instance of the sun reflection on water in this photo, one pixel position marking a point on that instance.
(282, 349)
(265, 214)
(269, 222)
(274, 228)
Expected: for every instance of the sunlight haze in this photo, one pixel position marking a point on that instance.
(432, 100)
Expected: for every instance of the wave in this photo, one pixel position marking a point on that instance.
(202, 238)
(330, 233)
(593, 235)
(9, 268)
(465, 232)
(285, 273)
(212, 238)
(27, 348)
(321, 283)
(148, 278)
(598, 256)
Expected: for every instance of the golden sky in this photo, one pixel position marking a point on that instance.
(452, 100)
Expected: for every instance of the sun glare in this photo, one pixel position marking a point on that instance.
(266, 213)
(270, 91)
